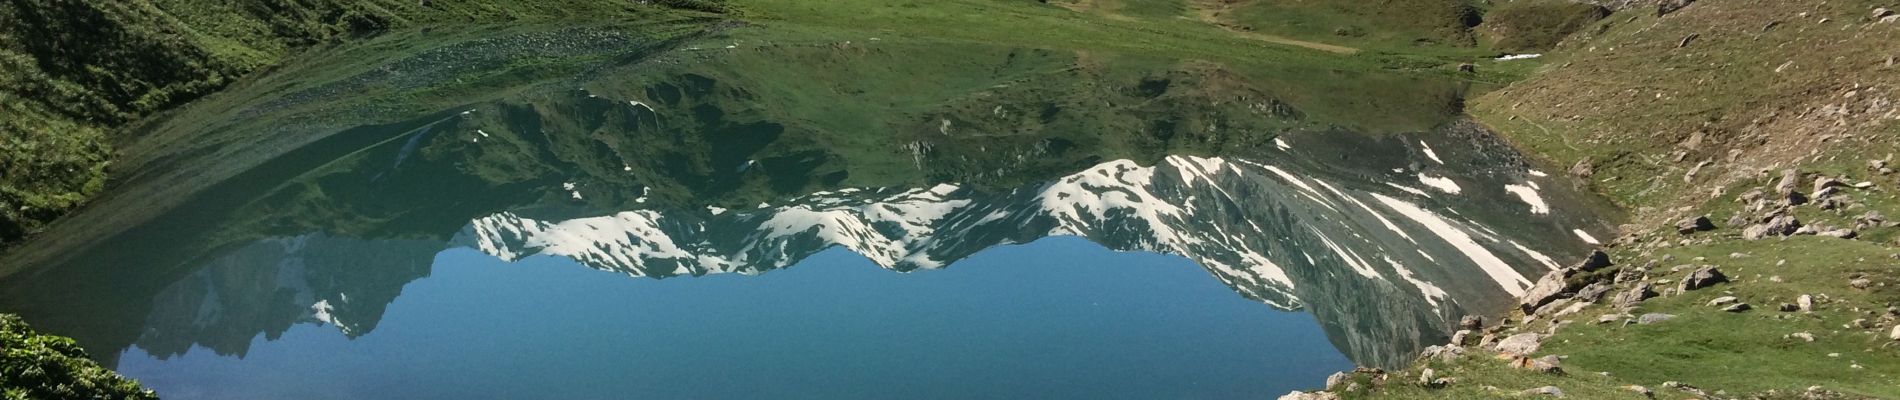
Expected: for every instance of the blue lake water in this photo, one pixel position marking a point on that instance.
(1073, 225)
(1059, 317)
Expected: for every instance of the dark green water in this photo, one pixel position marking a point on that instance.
(824, 220)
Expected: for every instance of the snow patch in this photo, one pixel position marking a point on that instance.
(1585, 236)
(1540, 257)
(1429, 153)
(1409, 189)
(1442, 184)
(1529, 196)
(1496, 268)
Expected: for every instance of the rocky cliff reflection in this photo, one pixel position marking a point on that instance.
(1386, 231)
(1384, 268)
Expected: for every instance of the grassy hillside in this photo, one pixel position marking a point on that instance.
(1777, 85)
(1533, 26)
(1706, 112)
(1381, 23)
(71, 71)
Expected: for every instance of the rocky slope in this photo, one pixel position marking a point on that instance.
(1752, 140)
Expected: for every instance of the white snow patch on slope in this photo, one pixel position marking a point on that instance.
(1529, 196)
(628, 239)
(1375, 214)
(1409, 189)
(1442, 184)
(1585, 236)
(1351, 259)
(1307, 190)
(321, 310)
(1432, 293)
(1496, 268)
(1540, 257)
(1431, 154)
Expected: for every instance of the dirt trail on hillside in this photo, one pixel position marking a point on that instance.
(1209, 11)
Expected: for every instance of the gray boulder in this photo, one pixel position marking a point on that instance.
(1703, 277)
(1458, 338)
(1442, 353)
(1842, 233)
(1593, 292)
(1337, 378)
(1777, 225)
(1629, 298)
(1652, 318)
(1299, 395)
(1693, 225)
(1790, 179)
(1548, 289)
(1595, 261)
(1551, 391)
(1520, 345)
(1471, 322)
(1822, 184)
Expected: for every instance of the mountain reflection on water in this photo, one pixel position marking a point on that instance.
(1380, 213)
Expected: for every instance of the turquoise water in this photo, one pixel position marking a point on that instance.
(1060, 317)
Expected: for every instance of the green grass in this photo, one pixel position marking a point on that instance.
(1739, 354)
(1746, 352)
(1485, 378)
(47, 165)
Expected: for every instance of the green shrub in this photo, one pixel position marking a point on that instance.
(34, 366)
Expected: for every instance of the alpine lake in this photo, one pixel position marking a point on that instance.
(731, 212)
